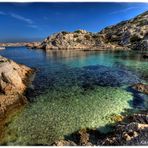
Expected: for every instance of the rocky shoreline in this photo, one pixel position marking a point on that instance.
(18, 44)
(129, 130)
(14, 80)
(126, 35)
(132, 130)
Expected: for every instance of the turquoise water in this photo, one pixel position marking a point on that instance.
(74, 90)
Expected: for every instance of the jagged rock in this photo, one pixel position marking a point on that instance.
(14, 80)
(83, 137)
(130, 132)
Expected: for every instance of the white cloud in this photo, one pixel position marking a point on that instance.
(19, 17)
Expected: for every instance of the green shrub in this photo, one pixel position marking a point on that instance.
(64, 32)
(77, 31)
(75, 35)
(87, 37)
(135, 38)
(78, 40)
(95, 36)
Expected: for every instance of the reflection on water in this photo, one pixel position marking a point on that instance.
(73, 90)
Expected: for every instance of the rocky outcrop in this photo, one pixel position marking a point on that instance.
(14, 80)
(18, 44)
(80, 39)
(132, 130)
(131, 34)
(141, 88)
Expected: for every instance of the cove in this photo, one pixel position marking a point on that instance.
(74, 90)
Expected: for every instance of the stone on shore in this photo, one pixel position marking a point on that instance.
(14, 80)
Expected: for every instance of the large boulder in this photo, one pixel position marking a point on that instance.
(14, 80)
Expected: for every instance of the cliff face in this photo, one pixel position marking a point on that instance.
(131, 34)
(14, 79)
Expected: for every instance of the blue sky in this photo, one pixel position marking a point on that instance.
(36, 21)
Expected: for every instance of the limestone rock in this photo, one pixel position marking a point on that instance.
(14, 80)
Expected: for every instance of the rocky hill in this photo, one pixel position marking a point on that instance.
(131, 34)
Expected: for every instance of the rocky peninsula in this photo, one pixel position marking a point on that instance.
(17, 44)
(14, 80)
(130, 34)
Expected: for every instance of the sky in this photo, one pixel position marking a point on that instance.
(35, 21)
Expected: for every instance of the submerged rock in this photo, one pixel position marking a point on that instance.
(106, 76)
(14, 80)
(145, 56)
(141, 88)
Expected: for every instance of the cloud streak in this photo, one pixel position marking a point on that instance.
(21, 18)
(123, 11)
(2, 13)
(30, 23)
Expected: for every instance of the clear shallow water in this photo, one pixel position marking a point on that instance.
(74, 90)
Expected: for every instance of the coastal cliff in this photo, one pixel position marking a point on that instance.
(130, 34)
(14, 80)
